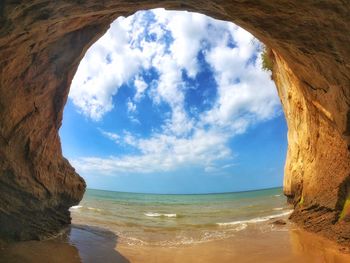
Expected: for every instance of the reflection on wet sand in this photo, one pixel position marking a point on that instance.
(282, 244)
(39, 251)
(79, 244)
(314, 249)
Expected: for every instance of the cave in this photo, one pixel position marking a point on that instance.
(42, 43)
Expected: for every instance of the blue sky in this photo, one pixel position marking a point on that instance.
(174, 102)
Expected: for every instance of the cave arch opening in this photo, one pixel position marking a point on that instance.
(175, 94)
(173, 104)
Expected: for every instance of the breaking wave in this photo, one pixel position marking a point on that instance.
(151, 214)
(255, 220)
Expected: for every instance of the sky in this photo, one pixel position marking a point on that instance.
(174, 102)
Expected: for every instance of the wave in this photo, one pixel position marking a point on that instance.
(240, 227)
(278, 209)
(183, 238)
(76, 207)
(255, 220)
(85, 207)
(151, 214)
(94, 209)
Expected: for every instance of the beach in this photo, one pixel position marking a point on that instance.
(231, 227)
(81, 244)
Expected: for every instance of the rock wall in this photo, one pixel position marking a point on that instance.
(316, 178)
(42, 42)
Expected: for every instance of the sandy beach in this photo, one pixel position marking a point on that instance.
(86, 244)
(246, 227)
(272, 247)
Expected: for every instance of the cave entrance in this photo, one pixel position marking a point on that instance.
(166, 108)
(166, 105)
(175, 102)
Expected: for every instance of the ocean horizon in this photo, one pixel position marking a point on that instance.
(204, 193)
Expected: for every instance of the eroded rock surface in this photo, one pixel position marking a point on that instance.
(42, 42)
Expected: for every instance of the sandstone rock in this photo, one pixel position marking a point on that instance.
(279, 222)
(42, 42)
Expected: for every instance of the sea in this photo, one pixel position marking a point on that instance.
(245, 227)
(179, 219)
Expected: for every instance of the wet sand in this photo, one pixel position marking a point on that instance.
(86, 244)
(296, 246)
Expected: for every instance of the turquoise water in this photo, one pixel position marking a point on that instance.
(155, 219)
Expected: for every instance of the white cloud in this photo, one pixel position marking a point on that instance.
(245, 94)
(112, 136)
(140, 86)
(109, 63)
(161, 153)
(188, 30)
(131, 106)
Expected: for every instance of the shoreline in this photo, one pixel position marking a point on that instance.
(305, 248)
(83, 243)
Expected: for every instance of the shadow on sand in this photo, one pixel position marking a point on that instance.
(95, 244)
(79, 244)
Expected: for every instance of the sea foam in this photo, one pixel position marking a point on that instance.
(76, 207)
(255, 220)
(94, 209)
(85, 207)
(151, 214)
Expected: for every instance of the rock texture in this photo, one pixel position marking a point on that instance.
(42, 42)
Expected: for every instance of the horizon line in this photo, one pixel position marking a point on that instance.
(213, 193)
